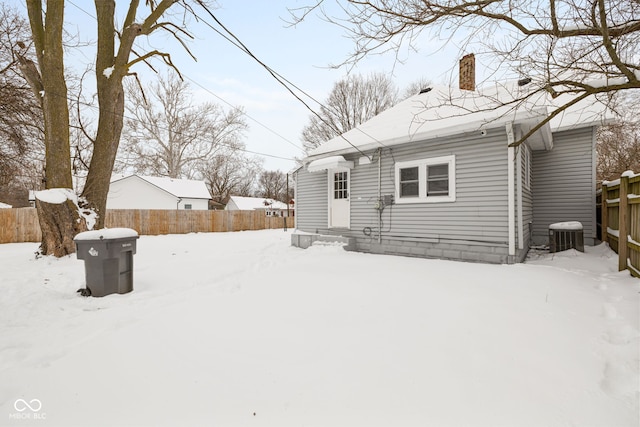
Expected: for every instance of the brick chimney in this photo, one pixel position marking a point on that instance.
(468, 72)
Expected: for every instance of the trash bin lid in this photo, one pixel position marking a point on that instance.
(106, 234)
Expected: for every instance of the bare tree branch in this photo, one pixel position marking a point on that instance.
(172, 137)
(351, 102)
(165, 57)
(21, 127)
(588, 48)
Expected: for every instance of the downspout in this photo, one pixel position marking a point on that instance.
(295, 195)
(379, 195)
(594, 157)
(520, 219)
(511, 191)
(288, 203)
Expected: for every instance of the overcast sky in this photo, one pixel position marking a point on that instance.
(225, 75)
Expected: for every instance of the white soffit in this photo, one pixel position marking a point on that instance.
(333, 162)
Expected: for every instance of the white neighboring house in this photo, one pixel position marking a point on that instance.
(270, 206)
(5, 206)
(150, 192)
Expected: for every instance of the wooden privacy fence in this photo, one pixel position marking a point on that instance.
(21, 225)
(620, 222)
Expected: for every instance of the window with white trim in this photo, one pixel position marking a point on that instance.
(426, 180)
(409, 182)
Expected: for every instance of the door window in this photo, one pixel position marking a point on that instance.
(340, 184)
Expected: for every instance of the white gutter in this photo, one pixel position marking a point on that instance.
(511, 193)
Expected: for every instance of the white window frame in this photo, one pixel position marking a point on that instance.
(422, 164)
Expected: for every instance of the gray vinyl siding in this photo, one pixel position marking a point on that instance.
(475, 226)
(311, 201)
(479, 213)
(562, 184)
(476, 223)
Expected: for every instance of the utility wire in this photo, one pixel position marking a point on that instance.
(209, 91)
(163, 128)
(279, 78)
(244, 113)
(134, 119)
(243, 48)
(286, 83)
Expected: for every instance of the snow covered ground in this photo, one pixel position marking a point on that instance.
(241, 329)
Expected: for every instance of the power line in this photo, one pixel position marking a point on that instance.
(167, 129)
(223, 100)
(234, 40)
(279, 78)
(134, 119)
(233, 106)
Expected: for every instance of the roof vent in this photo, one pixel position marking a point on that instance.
(524, 82)
(425, 90)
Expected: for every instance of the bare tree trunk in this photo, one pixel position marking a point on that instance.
(57, 222)
(105, 148)
(57, 231)
(111, 67)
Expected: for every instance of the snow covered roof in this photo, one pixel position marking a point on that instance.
(331, 162)
(184, 188)
(5, 206)
(444, 111)
(251, 203)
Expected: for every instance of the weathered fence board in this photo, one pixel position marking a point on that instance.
(21, 225)
(620, 223)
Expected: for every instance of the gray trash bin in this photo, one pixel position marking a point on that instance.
(108, 260)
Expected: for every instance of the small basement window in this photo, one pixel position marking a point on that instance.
(426, 180)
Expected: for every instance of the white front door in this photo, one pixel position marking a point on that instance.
(339, 198)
